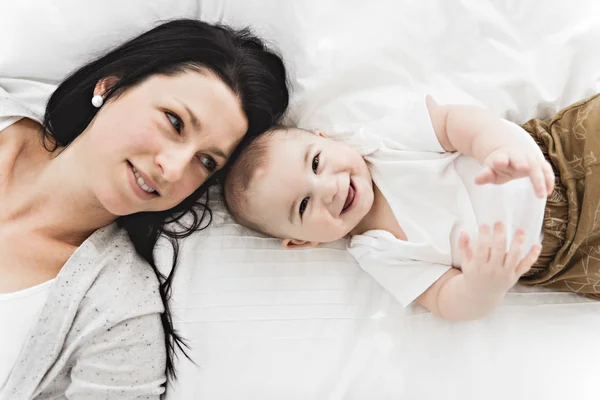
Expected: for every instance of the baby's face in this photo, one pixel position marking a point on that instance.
(311, 188)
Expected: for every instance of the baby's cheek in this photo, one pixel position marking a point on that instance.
(326, 224)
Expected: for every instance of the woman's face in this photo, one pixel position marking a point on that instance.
(154, 145)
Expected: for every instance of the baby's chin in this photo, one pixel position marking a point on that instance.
(334, 237)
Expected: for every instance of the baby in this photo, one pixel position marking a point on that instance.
(410, 198)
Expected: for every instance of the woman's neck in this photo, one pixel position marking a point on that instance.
(46, 195)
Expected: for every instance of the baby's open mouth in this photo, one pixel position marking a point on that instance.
(349, 197)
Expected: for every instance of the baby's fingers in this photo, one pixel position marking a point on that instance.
(484, 241)
(498, 250)
(549, 176)
(500, 160)
(516, 248)
(529, 259)
(487, 175)
(520, 163)
(466, 253)
(537, 176)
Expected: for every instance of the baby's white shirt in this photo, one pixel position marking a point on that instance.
(434, 198)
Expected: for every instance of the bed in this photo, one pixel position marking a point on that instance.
(267, 323)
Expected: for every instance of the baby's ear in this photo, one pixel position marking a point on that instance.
(298, 244)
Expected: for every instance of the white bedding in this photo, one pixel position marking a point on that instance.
(268, 323)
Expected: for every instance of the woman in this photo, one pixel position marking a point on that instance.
(129, 143)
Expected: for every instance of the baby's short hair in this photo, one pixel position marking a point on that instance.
(241, 173)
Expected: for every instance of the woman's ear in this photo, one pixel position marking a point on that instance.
(298, 244)
(104, 85)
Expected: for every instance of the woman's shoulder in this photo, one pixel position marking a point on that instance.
(11, 107)
(125, 286)
(24, 98)
(104, 311)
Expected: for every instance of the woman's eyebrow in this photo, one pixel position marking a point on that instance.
(218, 152)
(197, 125)
(191, 116)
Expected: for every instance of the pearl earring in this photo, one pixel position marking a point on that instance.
(97, 101)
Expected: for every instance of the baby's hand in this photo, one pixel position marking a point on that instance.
(489, 271)
(510, 163)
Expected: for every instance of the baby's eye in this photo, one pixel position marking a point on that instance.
(315, 163)
(209, 163)
(175, 121)
(303, 205)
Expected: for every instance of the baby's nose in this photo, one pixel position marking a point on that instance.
(329, 189)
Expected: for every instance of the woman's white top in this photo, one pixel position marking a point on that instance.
(19, 310)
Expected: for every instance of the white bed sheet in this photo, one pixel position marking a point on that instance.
(268, 323)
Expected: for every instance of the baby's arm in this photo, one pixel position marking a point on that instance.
(448, 298)
(470, 130)
(505, 152)
(488, 272)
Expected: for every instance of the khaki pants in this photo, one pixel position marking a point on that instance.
(570, 258)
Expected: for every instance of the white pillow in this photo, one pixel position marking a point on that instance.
(351, 60)
(45, 40)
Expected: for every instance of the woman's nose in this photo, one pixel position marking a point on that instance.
(173, 162)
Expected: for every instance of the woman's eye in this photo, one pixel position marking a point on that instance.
(303, 205)
(209, 163)
(175, 121)
(315, 163)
